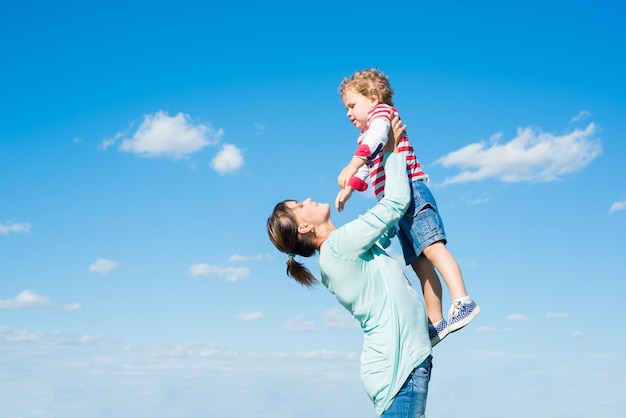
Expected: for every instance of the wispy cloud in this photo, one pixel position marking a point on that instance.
(161, 135)
(618, 206)
(103, 266)
(300, 324)
(249, 316)
(188, 350)
(258, 128)
(583, 114)
(93, 339)
(533, 155)
(72, 307)
(327, 355)
(517, 317)
(339, 318)
(228, 160)
(10, 227)
(21, 335)
(217, 351)
(179, 350)
(478, 200)
(556, 315)
(25, 299)
(238, 258)
(232, 274)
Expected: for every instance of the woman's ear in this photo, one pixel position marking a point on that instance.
(305, 228)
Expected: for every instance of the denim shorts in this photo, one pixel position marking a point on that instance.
(421, 225)
(410, 401)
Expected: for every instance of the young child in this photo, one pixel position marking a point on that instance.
(367, 96)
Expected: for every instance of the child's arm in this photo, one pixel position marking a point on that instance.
(350, 170)
(342, 197)
(372, 142)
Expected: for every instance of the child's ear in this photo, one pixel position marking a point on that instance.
(374, 99)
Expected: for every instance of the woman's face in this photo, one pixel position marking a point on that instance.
(358, 106)
(309, 212)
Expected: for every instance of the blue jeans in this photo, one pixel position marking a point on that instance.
(410, 401)
(421, 225)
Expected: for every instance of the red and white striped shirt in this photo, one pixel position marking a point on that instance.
(372, 140)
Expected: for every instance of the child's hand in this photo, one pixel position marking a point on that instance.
(350, 170)
(346, 174)
(342, 197)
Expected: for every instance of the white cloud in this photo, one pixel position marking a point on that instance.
(532, 155)
(179, 350)
(22, 335)
(479, 200)
(583, 114)
(72, 307)
(35, 337)
(9, 227)
(24, 300)
(618, 206)
(216, 351)
(299, 324)
(237, 258)
(109, 142)
(94, 339)
(103, 266)
(232, 274)
(339, 318)
(517, 317)
(228, 160)
(556, 315)
(161, 135)
(249, 316)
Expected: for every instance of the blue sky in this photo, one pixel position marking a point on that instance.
(144, 144)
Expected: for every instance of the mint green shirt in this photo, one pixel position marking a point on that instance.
(372, 286)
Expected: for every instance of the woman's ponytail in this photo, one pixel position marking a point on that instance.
(283, 233)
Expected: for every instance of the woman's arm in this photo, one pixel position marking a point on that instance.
(358, 236)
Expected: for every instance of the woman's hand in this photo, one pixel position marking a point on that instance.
(395, 133)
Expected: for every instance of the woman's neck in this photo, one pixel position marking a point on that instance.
(322, 232)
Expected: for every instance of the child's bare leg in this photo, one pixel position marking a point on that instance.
(462, 309)
(446, 265)
(431, 287)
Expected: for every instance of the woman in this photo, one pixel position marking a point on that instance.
(396, 357)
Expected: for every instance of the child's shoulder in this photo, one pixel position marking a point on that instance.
(385, 107)
(384, 110)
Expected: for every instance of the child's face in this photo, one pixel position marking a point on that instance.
(358, 106)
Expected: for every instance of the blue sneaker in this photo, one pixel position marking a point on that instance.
(461, 314)
(438, 332)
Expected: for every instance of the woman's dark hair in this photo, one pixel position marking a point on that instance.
(282, 229)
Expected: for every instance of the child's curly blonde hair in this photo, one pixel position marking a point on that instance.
(368, 83)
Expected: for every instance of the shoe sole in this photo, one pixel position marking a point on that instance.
(436, 340)
(463, 322)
